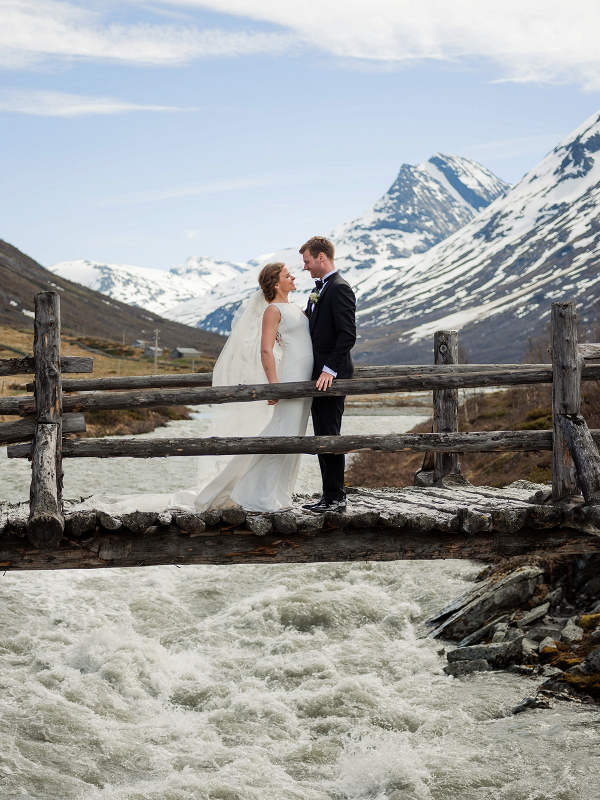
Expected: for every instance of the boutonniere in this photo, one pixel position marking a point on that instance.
(314, 297)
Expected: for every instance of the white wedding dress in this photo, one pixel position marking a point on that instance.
(252, 482)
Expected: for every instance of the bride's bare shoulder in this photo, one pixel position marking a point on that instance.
(272, 312)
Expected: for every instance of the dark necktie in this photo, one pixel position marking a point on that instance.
(319, 284)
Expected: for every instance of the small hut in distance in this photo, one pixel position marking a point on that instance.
(185, 352)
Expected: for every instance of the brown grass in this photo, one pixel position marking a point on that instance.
(521, 408)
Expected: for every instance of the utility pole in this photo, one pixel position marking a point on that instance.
(156, 351)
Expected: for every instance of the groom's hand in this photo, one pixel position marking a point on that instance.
(324, 381)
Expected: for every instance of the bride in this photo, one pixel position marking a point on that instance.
(267, 329)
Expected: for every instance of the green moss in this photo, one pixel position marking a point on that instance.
(589, 622)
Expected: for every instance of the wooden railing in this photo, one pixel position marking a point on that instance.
(48, 414)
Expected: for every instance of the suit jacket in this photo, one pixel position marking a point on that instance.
(332, 325)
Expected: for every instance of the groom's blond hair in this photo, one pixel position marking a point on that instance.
(319, 244)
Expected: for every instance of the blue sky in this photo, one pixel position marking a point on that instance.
(145, 132)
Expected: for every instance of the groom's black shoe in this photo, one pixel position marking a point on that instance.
(326, 505)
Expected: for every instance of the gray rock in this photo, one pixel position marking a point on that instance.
(483, 632)
(533, 702)
(81, 522)
(476, 607)
(212, 516)
(190, 523)
(164, 518)
(108, 522)
(424, 477)
(497, 653)
(500, 632)
(595, 635)
(285, 522)
(531, 616)
(555, 597)
(138, 521)
(529, 647)
(233, 516)
(592, 661)
(522, 669)
(541, 632)
(549, 641)
(259, 524)
(457, 668)
(572, 632)
(592, 587)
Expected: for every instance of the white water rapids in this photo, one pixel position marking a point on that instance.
(259, 682)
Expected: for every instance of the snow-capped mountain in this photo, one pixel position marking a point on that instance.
(496, 278)
(424, 205)
(154, 289)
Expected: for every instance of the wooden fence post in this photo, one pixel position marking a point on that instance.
(567, 366)
(46, 520)
(445, 403)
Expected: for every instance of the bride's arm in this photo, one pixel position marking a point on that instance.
(271, 320)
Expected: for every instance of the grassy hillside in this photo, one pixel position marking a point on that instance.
(521, 408)
(85, 312)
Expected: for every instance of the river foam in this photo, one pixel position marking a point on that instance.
(299, 682)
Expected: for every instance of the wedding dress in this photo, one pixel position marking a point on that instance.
(253, 482)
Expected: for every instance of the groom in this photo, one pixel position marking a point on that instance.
(331, 312)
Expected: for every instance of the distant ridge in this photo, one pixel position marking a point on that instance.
(85, 311)
(496, 278)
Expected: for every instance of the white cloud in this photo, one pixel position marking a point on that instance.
(62, 104)
(33, 31)
(552, 41)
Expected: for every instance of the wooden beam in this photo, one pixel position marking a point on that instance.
(9, 406)
(103, 401)
(171, 546)
(46, 521)
(473, 442)
(589, 350)
(26, 366)
(567, 366)
(22, 429)
(445, 403)
(584, 454)
(205, 378)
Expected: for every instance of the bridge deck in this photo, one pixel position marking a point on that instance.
(454, 520)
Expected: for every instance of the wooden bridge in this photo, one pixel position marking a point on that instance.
(442, 516)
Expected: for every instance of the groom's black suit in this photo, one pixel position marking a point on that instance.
(332, 322)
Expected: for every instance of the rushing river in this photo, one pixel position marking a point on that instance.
(259, 683)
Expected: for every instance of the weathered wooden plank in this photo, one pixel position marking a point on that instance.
(9, 406)
(205, 378)
(589, 350)
(171, 546)
(23, 429)
(278, 391)
(567, 367)
(445, 403)
(46, 353)
(473, 442)
(46, 520)
(584, 454)
(26, 366)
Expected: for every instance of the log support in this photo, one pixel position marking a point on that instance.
(567, 366)
(46, 521)
(584, 454)
(170, 545)
(445, 403)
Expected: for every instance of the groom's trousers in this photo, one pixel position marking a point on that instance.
(327, 414)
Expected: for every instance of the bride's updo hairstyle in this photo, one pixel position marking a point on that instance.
(268, 279)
